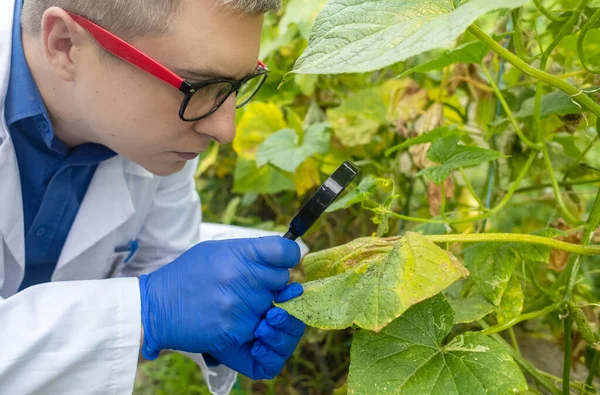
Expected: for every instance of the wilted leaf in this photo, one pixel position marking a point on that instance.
(358, 118)
(491, 266)
(284, 150)
(409, 357)
(267, 179)
(472, 52)
(434, 195)
(259, 121)
(369, 285)
(360, 36)
(512, 301)
(450, 156)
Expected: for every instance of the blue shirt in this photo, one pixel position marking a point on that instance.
(54, 178)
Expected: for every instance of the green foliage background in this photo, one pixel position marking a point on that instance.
(452, 139)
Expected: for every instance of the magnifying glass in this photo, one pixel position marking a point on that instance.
(318, 203)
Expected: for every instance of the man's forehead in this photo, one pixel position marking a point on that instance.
(213, 42)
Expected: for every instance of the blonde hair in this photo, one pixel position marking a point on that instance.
(129, 18)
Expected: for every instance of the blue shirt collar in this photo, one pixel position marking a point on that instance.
(23, 99)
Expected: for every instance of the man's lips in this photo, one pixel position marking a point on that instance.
(186, 155)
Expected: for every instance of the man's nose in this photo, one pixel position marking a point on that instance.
(220, 124)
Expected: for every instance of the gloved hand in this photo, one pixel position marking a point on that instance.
(213, 297)
(277, 337)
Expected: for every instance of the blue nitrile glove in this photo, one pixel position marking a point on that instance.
(277, 337)
(213, 297)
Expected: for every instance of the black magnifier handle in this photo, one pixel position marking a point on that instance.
(323, 198)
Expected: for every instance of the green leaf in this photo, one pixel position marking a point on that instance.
(409, 357)
(512, 301)
(368, 283)
(472, 52)
(352, 36)
(450, 155)
(471, 308)
(555, 103)
(491, 266)
(282, 149)
(356, 121)
(434, 135)
(267, 179)
(364, 191)
(302, 13)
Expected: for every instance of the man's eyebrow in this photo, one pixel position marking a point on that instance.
(208, 73)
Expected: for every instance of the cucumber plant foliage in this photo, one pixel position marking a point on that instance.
(496, 127)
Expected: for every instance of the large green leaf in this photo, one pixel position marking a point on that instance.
(250, 179)
(284, 150)
(472, 52)
(365, 35)
(491, 266)
(370, 281)
(450, 155)
(409, 357)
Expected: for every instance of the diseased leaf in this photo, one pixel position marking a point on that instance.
(450, 155)
(307, 176)
(512, 301)
(360, 36)
(409, 357)
(472, 52)
(491, 266)
(259, 121)
(267, 179)
(284, 150)
(368, 284)
(358, 118)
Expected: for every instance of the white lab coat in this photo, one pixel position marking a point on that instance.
(80, 334)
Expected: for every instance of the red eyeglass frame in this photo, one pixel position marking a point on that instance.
(134, 56)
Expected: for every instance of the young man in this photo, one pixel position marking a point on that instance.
(105, 107)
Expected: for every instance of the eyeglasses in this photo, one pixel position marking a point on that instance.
(200, 99)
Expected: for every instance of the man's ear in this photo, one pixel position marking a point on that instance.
(61, 38)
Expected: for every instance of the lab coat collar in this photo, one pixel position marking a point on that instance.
(11, 220)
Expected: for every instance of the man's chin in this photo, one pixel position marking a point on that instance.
(164, 169)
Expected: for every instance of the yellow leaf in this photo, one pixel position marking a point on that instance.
(307, 176)
(259, 121)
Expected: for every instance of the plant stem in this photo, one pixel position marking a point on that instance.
(566, 29)
(564, 86)
(561, 76)
(523, 317)
(568, 324)
(592, 373)
(471, 190)
(508, 111)
(557, 194)
(591, 23)
(513, 340)
(546, 13)
(516, 238)
(565, 183)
